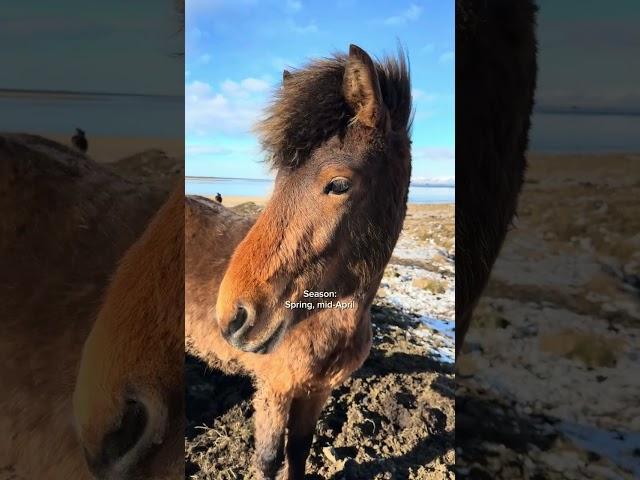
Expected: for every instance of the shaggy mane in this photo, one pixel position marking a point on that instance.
(310, 107)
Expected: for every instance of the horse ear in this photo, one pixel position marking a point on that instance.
(362, 89)
(286, 75)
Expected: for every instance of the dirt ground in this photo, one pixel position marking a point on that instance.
(547, 386)
(394, 419)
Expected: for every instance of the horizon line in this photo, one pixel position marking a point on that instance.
(204, 178)
(586, 110)
(79, 93)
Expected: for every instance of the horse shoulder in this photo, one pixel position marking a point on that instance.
(212, 232)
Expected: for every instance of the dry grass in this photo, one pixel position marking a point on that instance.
(590, 201)
(591, 349)
(432, 223)
(432, 285)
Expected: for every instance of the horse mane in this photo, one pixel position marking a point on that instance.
(310, 107)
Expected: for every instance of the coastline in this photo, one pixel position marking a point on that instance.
(235, 200)
(261, 201)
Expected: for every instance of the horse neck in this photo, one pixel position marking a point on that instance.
(154, 268)
(56, 278)
(212, 232)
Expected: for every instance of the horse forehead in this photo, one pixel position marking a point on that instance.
(322, 163)
(352, 150)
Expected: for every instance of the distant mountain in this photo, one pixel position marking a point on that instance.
(433, 182)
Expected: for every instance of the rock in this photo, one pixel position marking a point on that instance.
(330, 453)
(247, 208)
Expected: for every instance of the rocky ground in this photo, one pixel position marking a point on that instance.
(548, 386)
(394, 419)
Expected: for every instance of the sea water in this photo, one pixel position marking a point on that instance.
(209, 186)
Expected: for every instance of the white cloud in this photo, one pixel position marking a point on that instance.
(421, 95)
(433, 154)
(428, 181)
(197, 89)
(193, 150)
(440, 161)
(294, 5)
(232, 109)
(447, 57)
(303, 29)
(412, 13)
(428, 48)
(255, 85)
(209, 150)
(244, 88)
(204, 58)
(288, 24)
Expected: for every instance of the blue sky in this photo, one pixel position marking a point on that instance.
(236, 51)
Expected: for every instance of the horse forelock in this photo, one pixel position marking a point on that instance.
(310, 107)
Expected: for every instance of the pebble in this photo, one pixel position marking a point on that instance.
(330, 453)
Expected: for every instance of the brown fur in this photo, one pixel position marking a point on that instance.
(65, 223)
(136, 351)
(305, 239)
(495, 85)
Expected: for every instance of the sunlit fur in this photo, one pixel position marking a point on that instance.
(136, 350)
(495, 85)
(306, 239)
(66, 221)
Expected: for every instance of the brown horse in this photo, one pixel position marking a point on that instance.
(66, 221)
(495, 84)
(129, 396)
(338, 135)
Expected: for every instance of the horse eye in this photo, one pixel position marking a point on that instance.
(337, 186)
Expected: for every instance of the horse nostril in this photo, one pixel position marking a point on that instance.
(121, 441)
(239, 320)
